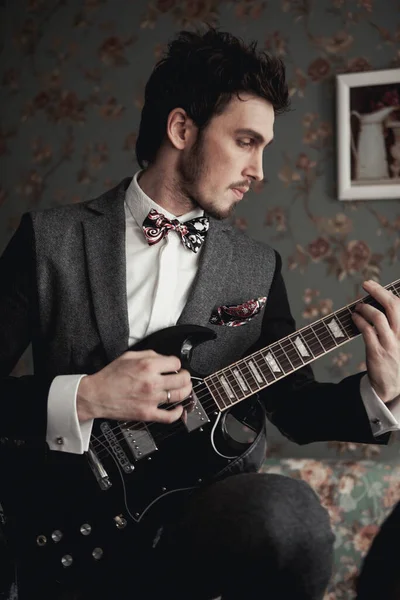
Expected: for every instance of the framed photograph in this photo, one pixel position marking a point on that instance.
(368, 134)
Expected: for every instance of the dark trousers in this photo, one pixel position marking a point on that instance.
(250, 536)
(380, 572)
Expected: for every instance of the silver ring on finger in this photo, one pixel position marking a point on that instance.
(168, 396)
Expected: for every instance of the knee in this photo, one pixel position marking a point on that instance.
(263, 509)
(294, 502)
(291, 529)
(277, 514)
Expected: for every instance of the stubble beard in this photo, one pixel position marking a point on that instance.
(191, 171)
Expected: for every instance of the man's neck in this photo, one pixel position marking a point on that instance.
(162, 189)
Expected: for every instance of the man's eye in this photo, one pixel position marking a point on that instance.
(243, 144)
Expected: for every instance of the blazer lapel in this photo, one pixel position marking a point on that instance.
(104, 239)
(211, 274)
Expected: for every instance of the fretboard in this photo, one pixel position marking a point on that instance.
(249, 375)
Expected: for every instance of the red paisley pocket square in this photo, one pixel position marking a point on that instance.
(234, 315)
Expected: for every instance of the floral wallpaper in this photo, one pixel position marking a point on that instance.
(72, 76)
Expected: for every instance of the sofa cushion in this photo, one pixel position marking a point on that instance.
(358, 496)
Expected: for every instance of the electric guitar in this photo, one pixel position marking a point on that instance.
(70, 512)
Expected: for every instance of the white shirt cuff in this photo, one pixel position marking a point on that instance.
(64, 431)
(382, 420)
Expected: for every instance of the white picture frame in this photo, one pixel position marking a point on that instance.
(368, 137)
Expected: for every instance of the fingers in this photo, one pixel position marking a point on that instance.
(151, 371)
(167, 416)
(144, 380)
(180, 382)
(376, 326)
(389, 301)
(149, 361)
(175, 396)
(373, 324)
(367, 330)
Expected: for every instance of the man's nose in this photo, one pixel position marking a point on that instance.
(255, 169)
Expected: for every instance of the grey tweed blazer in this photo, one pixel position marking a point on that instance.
(63, 290)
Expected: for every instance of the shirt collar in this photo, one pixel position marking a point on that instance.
(140, 204)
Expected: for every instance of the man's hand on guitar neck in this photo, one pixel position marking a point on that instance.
(133, 386)
(381, 333)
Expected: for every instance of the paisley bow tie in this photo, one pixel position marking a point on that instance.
(192, 232)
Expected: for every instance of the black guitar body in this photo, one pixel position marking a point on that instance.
(69, 514)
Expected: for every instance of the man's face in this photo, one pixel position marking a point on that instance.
(220, 166)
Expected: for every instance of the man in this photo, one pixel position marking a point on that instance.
(85, 282)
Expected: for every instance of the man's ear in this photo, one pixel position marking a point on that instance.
(181, 131)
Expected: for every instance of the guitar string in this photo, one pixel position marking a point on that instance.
(214, 404)
(178, 426)
(209, 394)
(313, 341)
(158, 436)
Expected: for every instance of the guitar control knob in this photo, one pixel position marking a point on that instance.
(41, 540)
(85, 529)
(67, 560)
(56, 536)
(97, 553)
(120, 522)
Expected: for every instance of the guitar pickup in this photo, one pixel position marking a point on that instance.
(139, 440)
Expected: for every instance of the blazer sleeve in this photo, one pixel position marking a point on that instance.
(303, 409)
(23, 399)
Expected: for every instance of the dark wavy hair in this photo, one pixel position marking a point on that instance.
(200, 73)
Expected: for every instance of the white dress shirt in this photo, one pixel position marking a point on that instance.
(158, 280)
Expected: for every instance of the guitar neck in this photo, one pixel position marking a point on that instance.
(257, 371)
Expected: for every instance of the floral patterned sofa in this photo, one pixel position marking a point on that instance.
(358, 496)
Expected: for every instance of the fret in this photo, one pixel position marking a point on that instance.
(270, 361)
(336, 329)
(227, 387)
(290, 349)
(301, 344)
(219, 394)
(233, 382)
(345, 321)
(264, 367)
(217, 391)
(352, 325)
(281, 345)
(312, 339)
(251, 380)
(240, 379)
(258, 376)
(396, 291)
(281, 359)
(325, 337)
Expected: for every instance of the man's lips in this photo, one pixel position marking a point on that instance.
(239, 192)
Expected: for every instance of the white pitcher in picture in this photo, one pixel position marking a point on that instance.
(370, 154)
